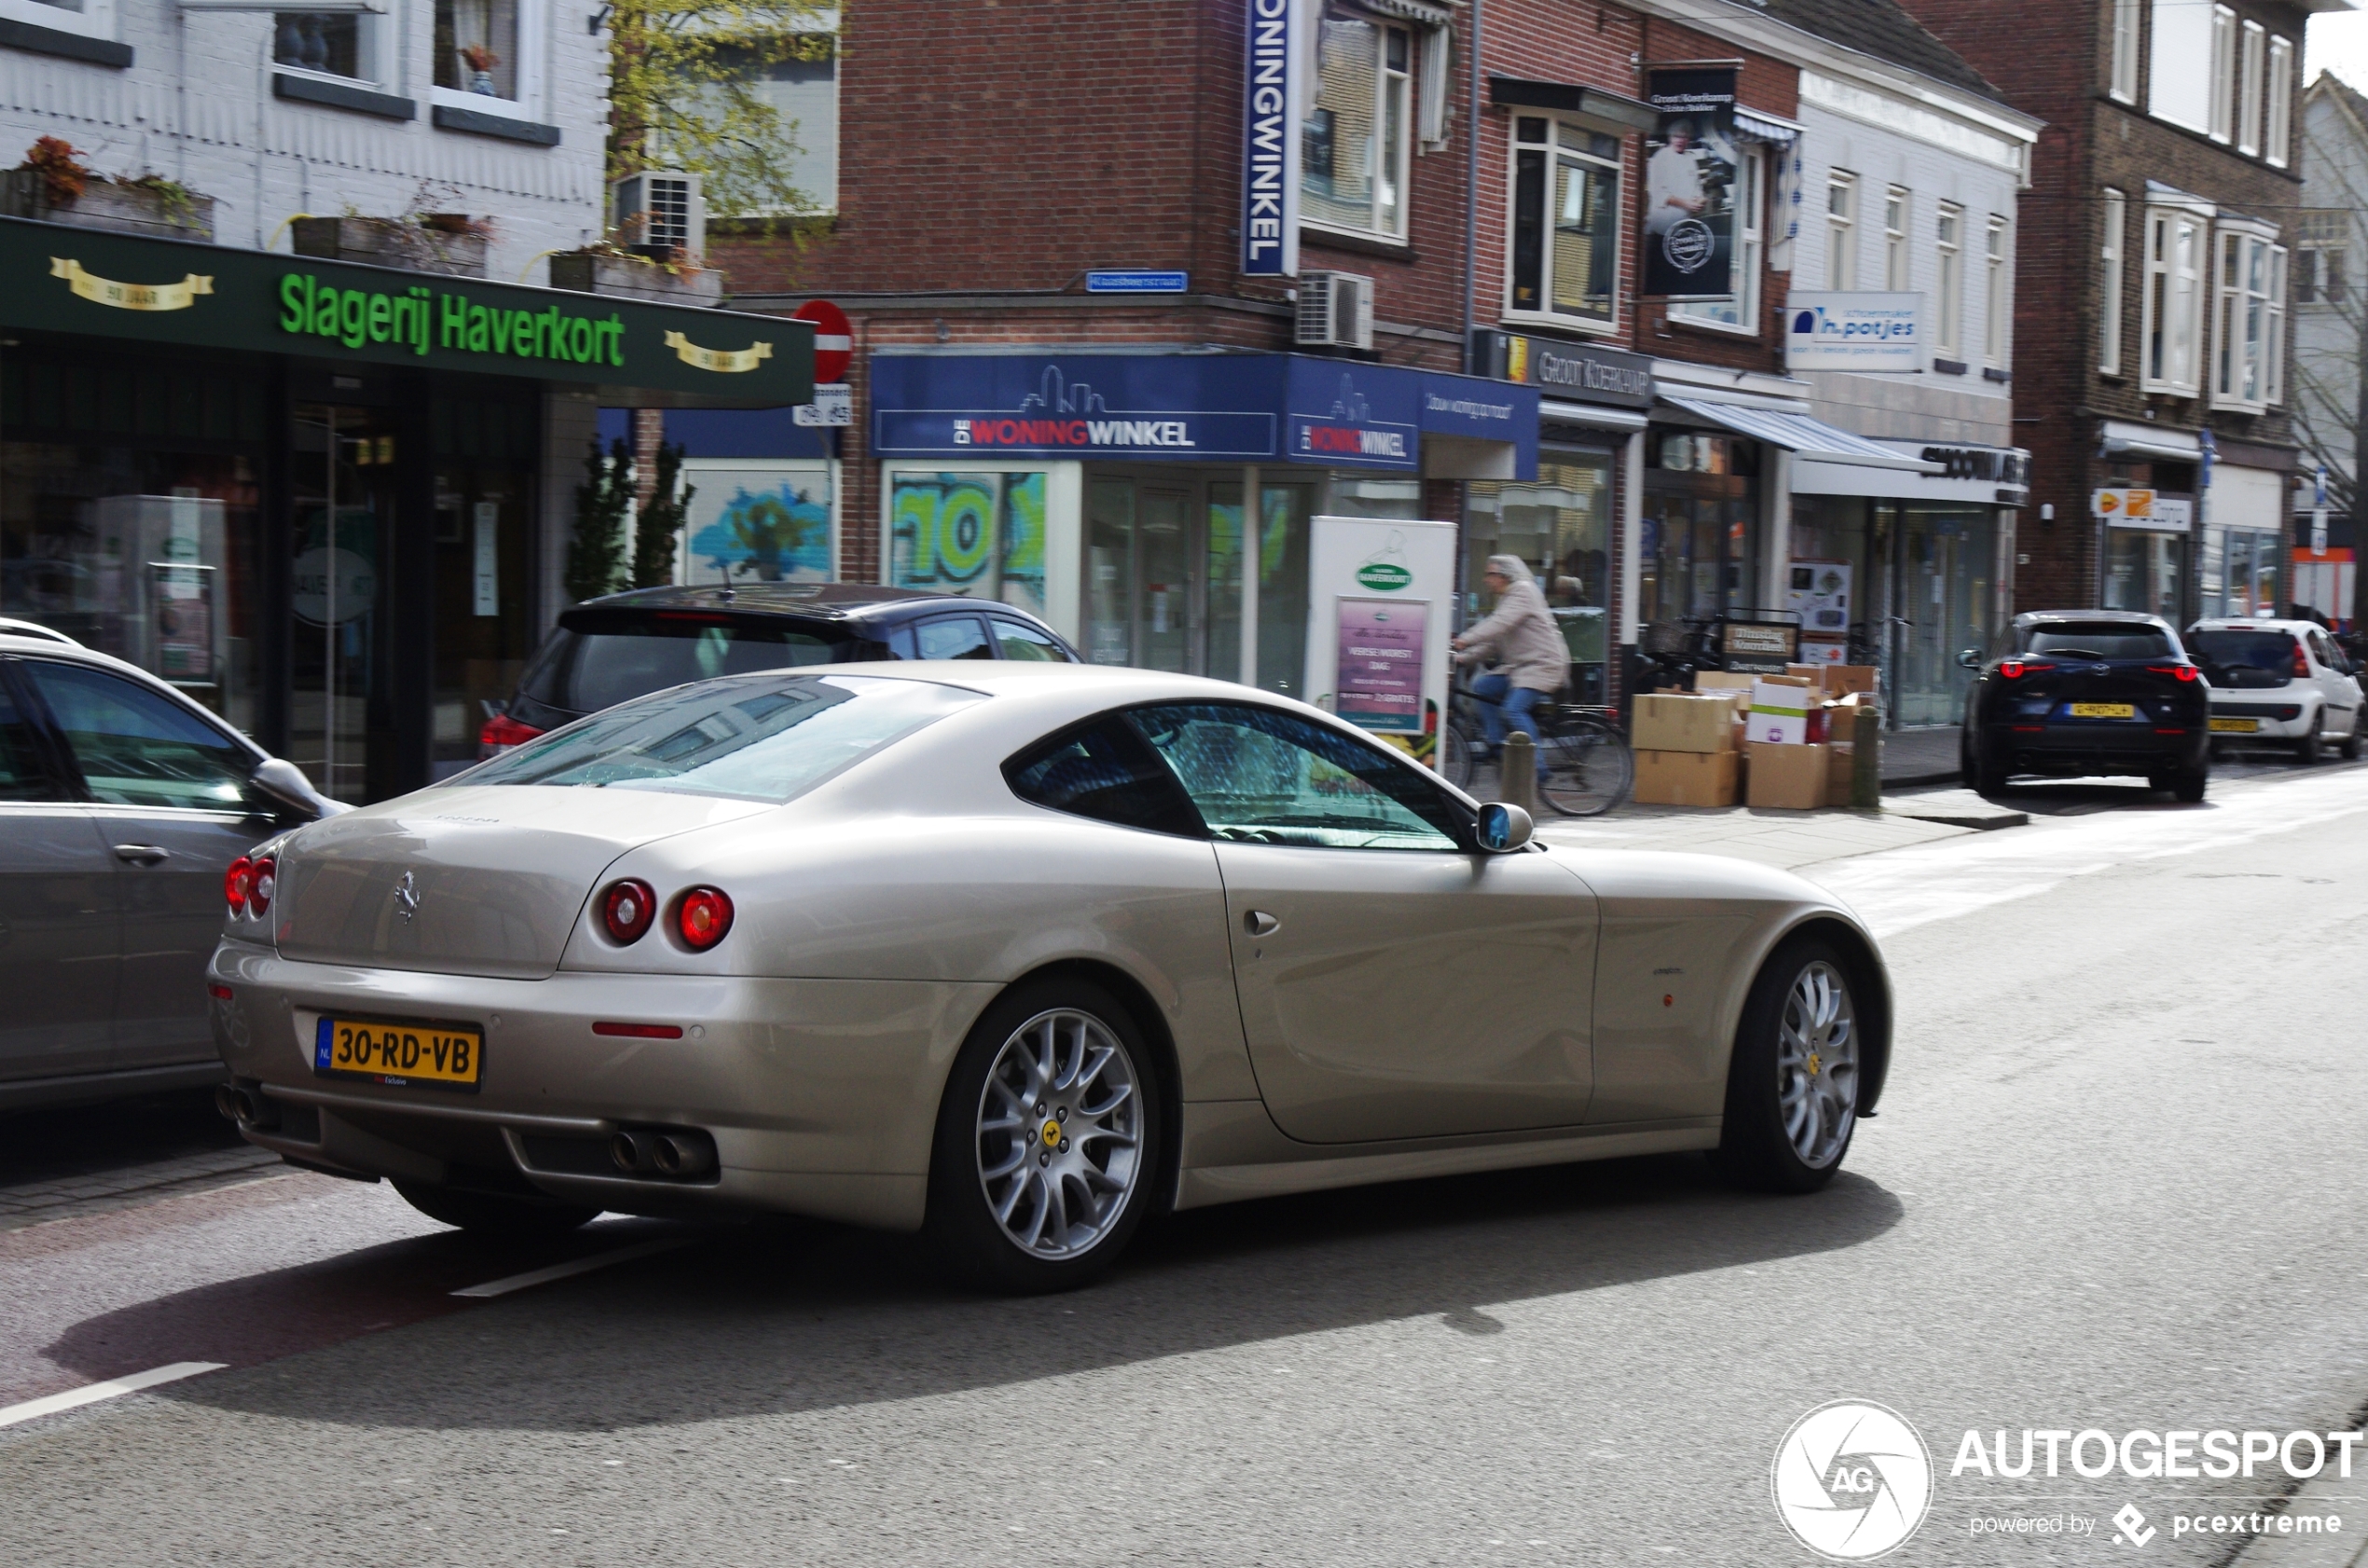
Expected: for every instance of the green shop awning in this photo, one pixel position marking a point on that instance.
(60, 277)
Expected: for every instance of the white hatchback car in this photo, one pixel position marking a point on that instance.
(2284, 682)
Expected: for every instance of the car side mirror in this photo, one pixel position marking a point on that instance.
(1502, 829)
(1969, 658)
(289, 792)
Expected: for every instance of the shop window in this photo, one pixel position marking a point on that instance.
(1841, 229)
(2279, 132)
(339, 44)
(1357, 137)
(1739, 309)
(975, 533)
(2251, 327)
(1559, 523)
(1896, 253)
(2144, 570)
(2171, 325)
(1565, 222)
(757, 521)
(2109, 253)
(2124, 58)
(488, 54)
(1948, 327)
(93, 18)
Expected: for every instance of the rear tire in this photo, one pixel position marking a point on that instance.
(489, 1214)
(2349, 748)
(1986, 776)
(2188, 788)
(2310, 748)
(1012, 1213)
(1792, 1085)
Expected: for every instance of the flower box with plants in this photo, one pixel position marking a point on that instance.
(607, 268)
(450, 243)
(55, 186)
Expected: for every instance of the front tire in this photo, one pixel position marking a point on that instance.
(1051, 1143)
(1791, 1086)
(489, 1214)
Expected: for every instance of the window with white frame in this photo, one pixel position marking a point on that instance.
(2251, 329)
(488, 54)
(2109, 259)
(1948, 234)
(93, 18)
(1358, 136)
(2279, 132)
(341, 44)
(1841, 229)
(2224, 74)
(1565, 249)
(1896, 269)
(797, 79)
(2180, 62)
(1739, 309)
(1997, 303)
(2249, 105)
(2172, 306)
(2124, 57)
(2321, 262)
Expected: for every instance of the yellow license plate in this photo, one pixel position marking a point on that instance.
(2237, 726)
(437, 1055)
(2104, 710)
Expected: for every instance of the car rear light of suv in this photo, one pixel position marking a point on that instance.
(501, 733)
(2184, 672)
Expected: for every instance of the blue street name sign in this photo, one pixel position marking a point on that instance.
(1135, 281)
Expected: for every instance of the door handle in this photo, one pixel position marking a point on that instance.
(1258, 923)
(143, 854)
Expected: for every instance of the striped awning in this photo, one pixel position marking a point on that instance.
(1812, 440)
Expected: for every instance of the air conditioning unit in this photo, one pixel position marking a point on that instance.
(1335, 310)
(658, 212)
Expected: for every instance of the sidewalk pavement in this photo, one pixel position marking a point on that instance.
(1919, 757)
(1784, 839)
(95, 1191)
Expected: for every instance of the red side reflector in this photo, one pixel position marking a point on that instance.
(641, 1031)
(2170, 732)
(218, 992)
(2031, 729)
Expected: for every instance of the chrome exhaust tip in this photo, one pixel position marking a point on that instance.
(232, 1103)
(631, 1152)
(682, 1157)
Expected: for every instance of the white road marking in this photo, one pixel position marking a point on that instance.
(74, 1399)
(1899, 889)
(533, 1277)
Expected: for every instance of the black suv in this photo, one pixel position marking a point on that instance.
(2082, 692)
(606, 651)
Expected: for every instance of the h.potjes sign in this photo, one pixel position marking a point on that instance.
(54, 278)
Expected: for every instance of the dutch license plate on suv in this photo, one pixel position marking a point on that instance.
(2236, 726)
(434, 1056)
(2104, 710)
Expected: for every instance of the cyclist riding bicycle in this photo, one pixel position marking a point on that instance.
(1521, 641)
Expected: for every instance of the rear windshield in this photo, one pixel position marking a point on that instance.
(2099, 640)
(760, 737)
(2271, 651)
(601, 657)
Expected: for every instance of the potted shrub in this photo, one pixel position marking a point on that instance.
(451, 243)
(53, 185)
(609, 268)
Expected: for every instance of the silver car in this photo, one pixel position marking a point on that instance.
(1018, 955)
(123, 805)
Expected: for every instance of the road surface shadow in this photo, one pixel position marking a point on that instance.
(50, 1143)
(778, 1316)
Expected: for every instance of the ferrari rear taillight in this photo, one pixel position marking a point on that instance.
(238, 883)
(501, 733)
(626, 910)
(264, 882)
(703, 917)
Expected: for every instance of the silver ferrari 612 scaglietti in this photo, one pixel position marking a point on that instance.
(1017, 954)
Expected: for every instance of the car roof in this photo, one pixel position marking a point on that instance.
(2128, 617)
(11, 626)
(2255, 623)
(828, 601)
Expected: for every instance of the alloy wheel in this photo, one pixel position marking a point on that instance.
(1060, 1133)
(1817, 1065)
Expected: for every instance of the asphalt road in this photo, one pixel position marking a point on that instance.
(2116, 1184)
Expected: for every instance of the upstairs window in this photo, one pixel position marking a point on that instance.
(488, 54)
(1841, 229)
(2322, 259)
(342, 44)
(2124, 59)
(2249, 91)
(1565, 222)
(1895, 256)
(1949, 236)
(2181, 61)
(2279, 133)
(2224, 74)
(2249, 364)
(2172, 326)
(1356, 145)
(1998, 307)
(2109, 304)
(1739, 309)
(93, 18)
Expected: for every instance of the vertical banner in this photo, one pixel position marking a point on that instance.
(1691, 168)
(1271, 138)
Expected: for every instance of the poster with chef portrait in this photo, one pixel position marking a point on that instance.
(1691, 171)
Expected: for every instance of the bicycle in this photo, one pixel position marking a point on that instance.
(1586, 770)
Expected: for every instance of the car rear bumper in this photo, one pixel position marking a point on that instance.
(2097, 748)
(821, 1095)
(2269, 718)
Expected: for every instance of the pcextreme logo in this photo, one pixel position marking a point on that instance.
(1853, 1480)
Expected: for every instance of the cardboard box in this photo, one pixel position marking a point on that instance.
(1780, 710)
(1788, 777)
(1842, 764)
(1683, 723)
(1719, 680)
(1843, 679)
(1813, 674)
(1686, 777)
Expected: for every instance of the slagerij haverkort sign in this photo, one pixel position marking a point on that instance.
(57, 278)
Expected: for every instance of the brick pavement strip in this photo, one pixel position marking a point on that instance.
(35, 1203)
